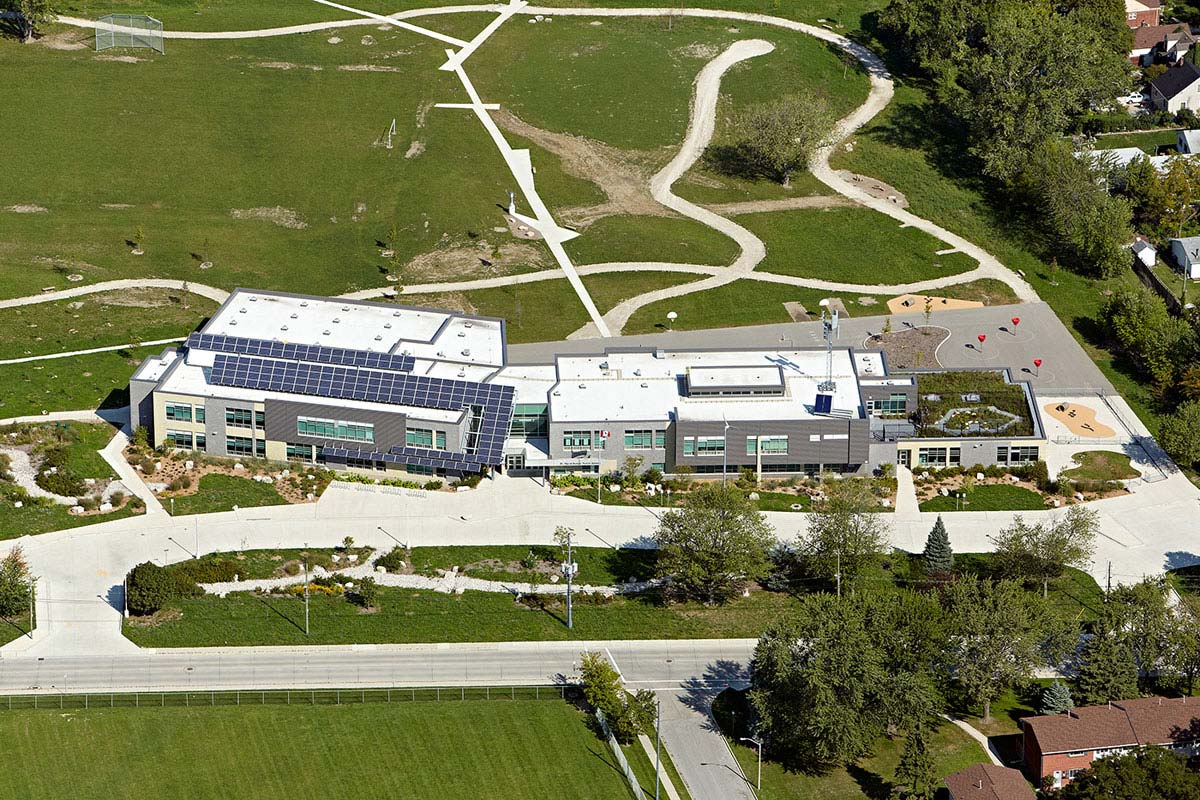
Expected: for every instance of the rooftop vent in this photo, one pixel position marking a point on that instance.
(379, 338)
(467, 352)
(462, 373)
(326, 333)
(304, 304)
(637, 372)
(441, 353)
(395, 313)
(660, 353)
(337, 319)
(462, 333)
(283, 327)
(467, 324)
(583, 386)
(253, 299)
(241, 311)
(233, 322)
(345, 308)
(556, 393)
(295, 316)
(603, 365)
(387, 324)
(645, 385)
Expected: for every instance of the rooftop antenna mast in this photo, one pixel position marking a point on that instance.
(828, 330)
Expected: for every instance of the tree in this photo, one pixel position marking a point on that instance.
(1106, 668)
(1180, 192)
(1181, 659)
(1041, 552)
(1161, 344)
(1179, 434)
(845, 531)
(627, 715)
(938, 558)
(817, 685)
(781, 135)
(1142, 613)
(998, 635)
(15, 583)
(1056, 699)
(714, 545)
(916, 772)
(366, 592)
(31, 15)
(1151, 773)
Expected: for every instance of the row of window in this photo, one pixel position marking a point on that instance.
(244, 446)
(771, 445)
(425, 437)
(574, 440)
(301, 452)
(1024, 454)
(245, 418)
(184, 412)
(897, 403)
(703, 445)
(530, 420)
(335, 429)
(645, 439)
(939, 456)
(186, 440)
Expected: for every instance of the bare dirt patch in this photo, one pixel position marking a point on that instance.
(287, 65)
(367, 68)
(782, 204)
(912, 348)
(65, 40)
(27, 208)
(120, 59)
(138, 298)
(367, 40)
(705, 50)
(334, 40)
(415, 149)
(451, 301)
(278, 215)
(115, 206)
(875, 187)
(471, 260)
(64, 264)
(625, 182)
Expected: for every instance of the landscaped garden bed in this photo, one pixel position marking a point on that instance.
(964, 404)
(909, 348)
(993, 488)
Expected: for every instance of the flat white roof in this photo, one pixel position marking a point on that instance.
(377, 327)
(766, 376)
(641, 386)
(152, 369)
(532, 382)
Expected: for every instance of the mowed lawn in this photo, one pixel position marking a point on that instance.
(407, 615)
(69, 384)
(992, 497)
(218, 492)
(467, 750)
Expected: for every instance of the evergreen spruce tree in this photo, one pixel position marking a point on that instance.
(916, 774)
(1107, 670)
(1056, 698)
(938, 557)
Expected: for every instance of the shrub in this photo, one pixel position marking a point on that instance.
(432, 486)
(393, 560)
(365, 593)
(652, 475)
(150, 588)
(116, 498)
(62, 483)
(471, 480)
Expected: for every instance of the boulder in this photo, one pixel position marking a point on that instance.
(979, 476)
(106, 507)
(754, 495)
(189, 465)
(75, 510)
(18, 504)
(238, 466)
(89, 481)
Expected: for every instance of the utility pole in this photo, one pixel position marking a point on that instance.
(568, 569)
(657, 744)
(31, 616)
(838, 574)
(306, 590)
(1108, 589)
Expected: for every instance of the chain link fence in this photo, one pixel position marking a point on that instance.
(288, 697)
(129, 30)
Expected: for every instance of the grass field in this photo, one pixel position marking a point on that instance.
(407, 615)
(218, 492)
(992, 497)
(1149, 141)
(79, 441)
(32, 520)
(669, 239)
(67, 384)
(11, 629)
(1101, 465)
(100, 320)
(598, 566)
(1075, 595)
(549, 310)
(850, 245)
(461, 749)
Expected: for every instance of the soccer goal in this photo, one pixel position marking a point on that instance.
(129, 30)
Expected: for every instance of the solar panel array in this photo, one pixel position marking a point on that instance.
(242, 345)
(380, 386)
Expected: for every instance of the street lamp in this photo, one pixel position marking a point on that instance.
(403, 546)
(569, 568)
(757, 743)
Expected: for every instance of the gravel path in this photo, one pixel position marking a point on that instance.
(24, 476)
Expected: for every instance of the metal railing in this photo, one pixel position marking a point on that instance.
(290, 697)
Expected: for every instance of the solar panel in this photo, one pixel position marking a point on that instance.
(241, 345)
(493, 403)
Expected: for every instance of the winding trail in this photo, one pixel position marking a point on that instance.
(699, 134)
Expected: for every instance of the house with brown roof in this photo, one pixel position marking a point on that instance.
(1142, 12)
(1161, 43)
(988, 782)
(1058, 747)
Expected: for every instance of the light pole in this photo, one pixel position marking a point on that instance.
(671, 317)
(306, 588)
(757, 743)
(657, 743)
(724, 452)
(403, 546)
(568, 570)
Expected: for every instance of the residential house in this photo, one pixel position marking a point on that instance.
(1187, 142)
(988, 782)
(1143, 251)
(1185, 253)
(1058, 747)
(1177, 88)
(1142, 12)
(1161, 44)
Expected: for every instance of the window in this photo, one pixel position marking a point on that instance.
(239, 417)
(573, 440)
(661, 466)
(932, 456)
(710, 445)
(260, 420)
(200, 441)
(529, 420)
(660, 438)
(771, 445)
(179, 412)
(335, 429)
(639, 439)
(299, 452)
(425, 437)
(1017, 455)
(689, 445)
(199, 413)
(366, 463)
(180, 439)
(239, 445)
(260, 448)
(897, 403)
(416, 469)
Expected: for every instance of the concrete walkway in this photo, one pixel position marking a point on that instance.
(906, 492)
(211, 292)
(664, 778)
(114, 454)
(109, 349)
(974, 733)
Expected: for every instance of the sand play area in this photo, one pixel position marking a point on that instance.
(909, 303)
(1080, 419)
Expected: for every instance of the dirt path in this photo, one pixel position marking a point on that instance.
(782, 204)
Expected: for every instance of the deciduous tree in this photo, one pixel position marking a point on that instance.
(1152, 773)
(1179, 434)
(1041, 551)
(30, 15)
(714, 545)
(15, 583)
(627, 715)
(845, 528)
(782, 135)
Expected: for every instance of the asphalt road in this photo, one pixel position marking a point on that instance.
(644, 664)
